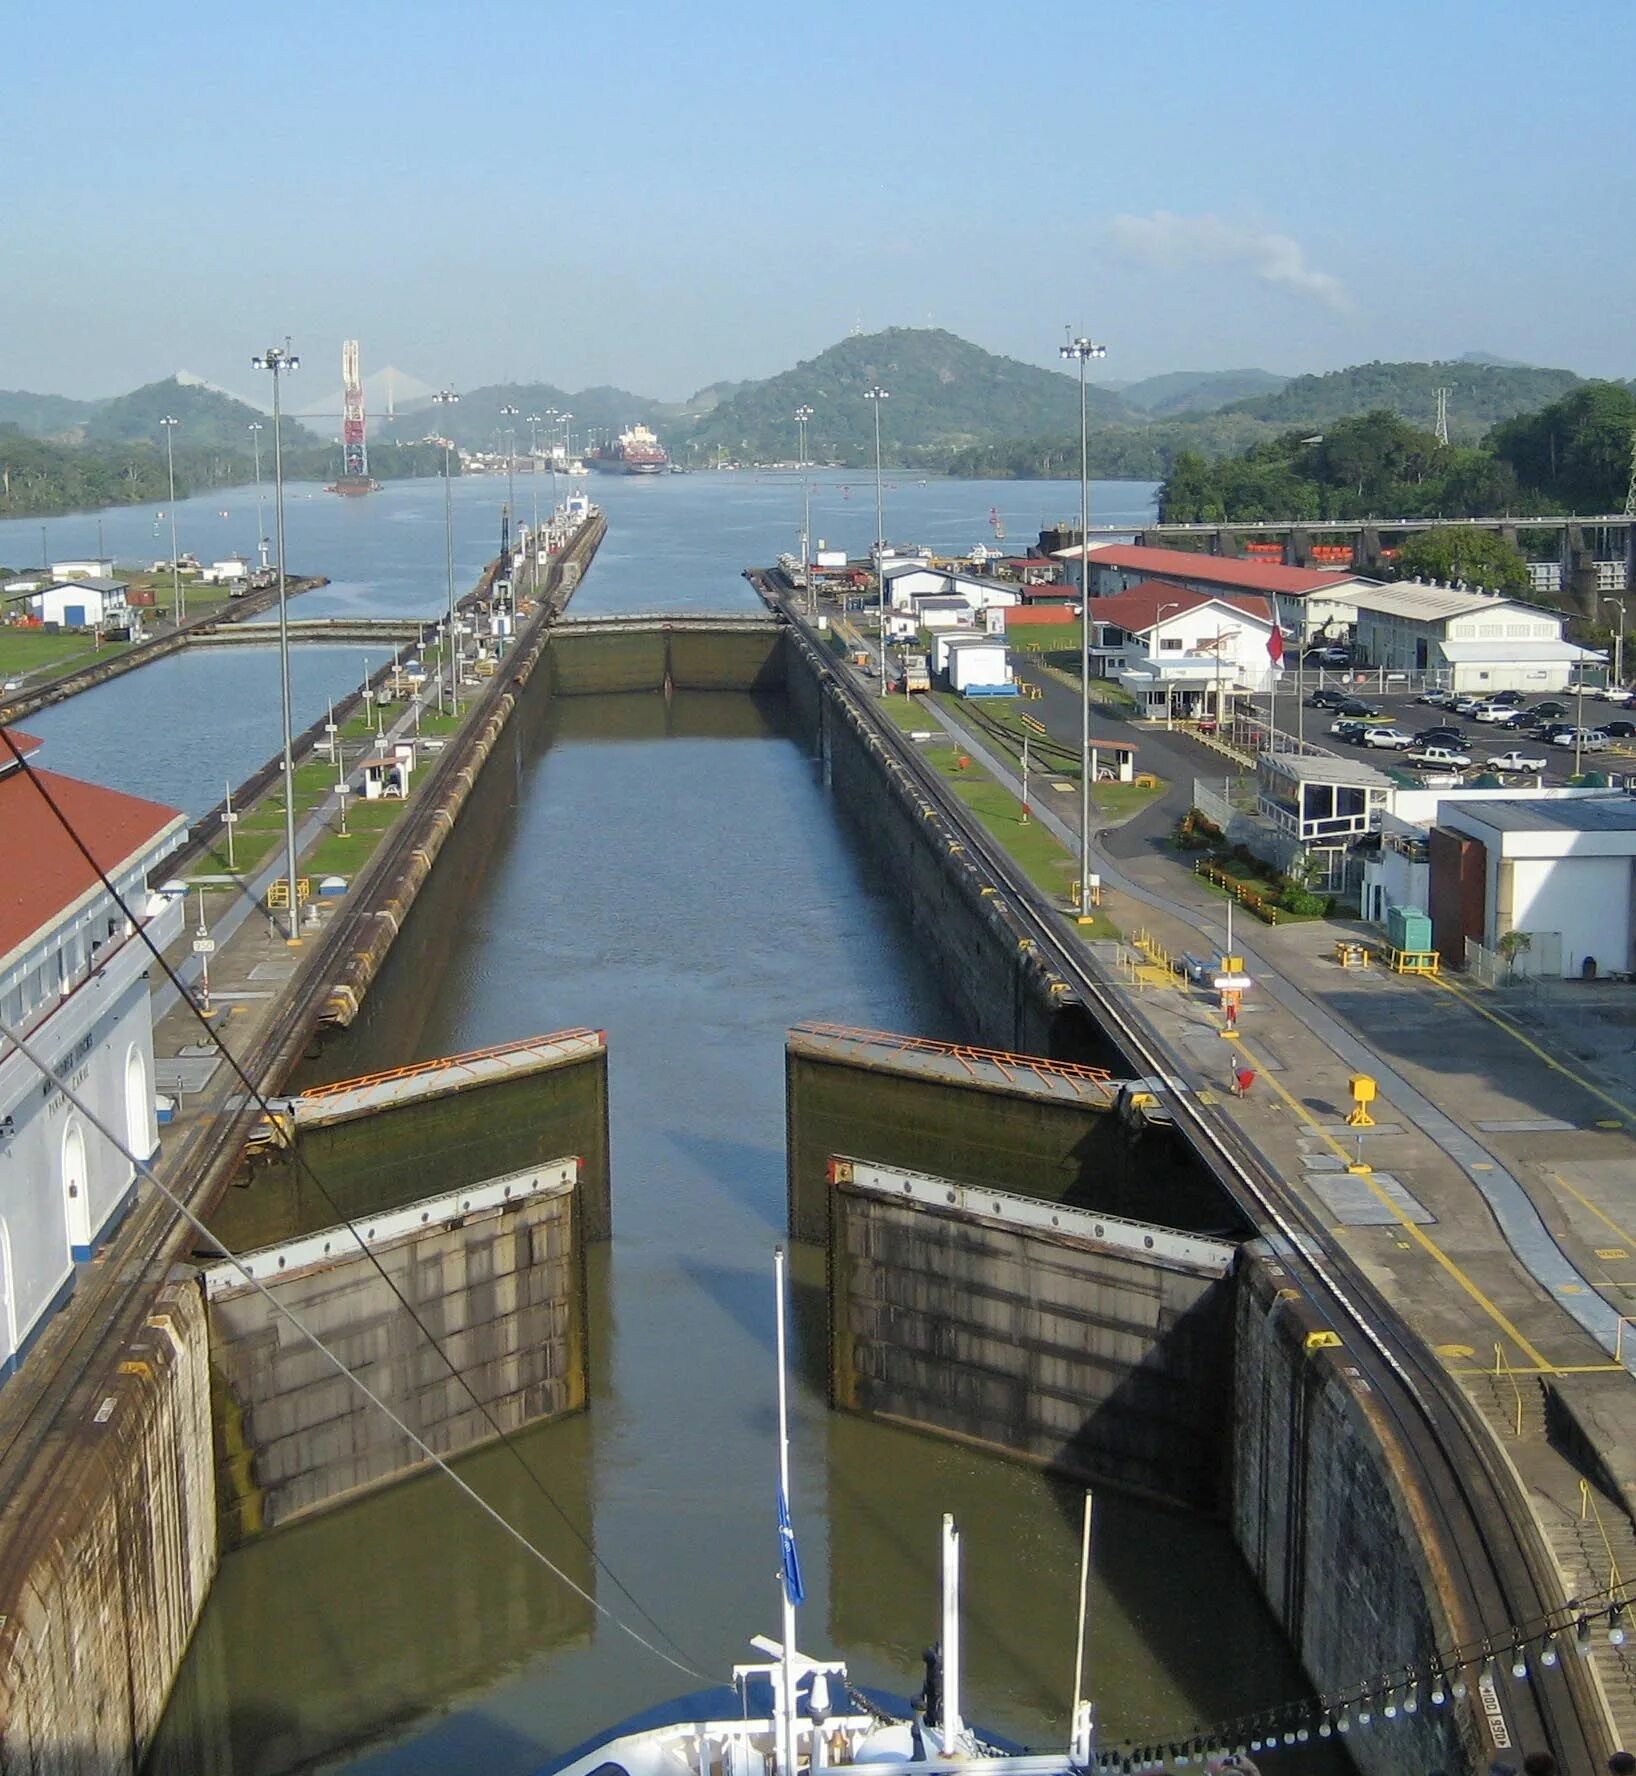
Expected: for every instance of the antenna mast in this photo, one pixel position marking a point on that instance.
(1443, 414)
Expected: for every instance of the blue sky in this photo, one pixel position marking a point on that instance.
(661, 196)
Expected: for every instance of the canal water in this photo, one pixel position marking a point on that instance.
(675, 874)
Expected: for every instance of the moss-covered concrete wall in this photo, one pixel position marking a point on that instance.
(380, 1161)
(645, 657)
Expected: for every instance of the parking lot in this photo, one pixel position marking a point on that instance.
(1479, 741)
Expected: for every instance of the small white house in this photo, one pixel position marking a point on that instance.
(1179, 653)
(224, 573)
(978, 663)
(908, 581)
(82, 570)
(936, 611)
(82, 604)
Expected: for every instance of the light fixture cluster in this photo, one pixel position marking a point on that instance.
(1388, 1698)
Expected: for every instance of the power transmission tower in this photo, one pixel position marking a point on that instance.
(1443, 414)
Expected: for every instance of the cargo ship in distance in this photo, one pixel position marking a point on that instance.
(636, 452)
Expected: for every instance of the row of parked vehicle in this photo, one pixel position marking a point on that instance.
(1443, 747)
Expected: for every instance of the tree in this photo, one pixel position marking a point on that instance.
(1513, 944)
(1481, 557)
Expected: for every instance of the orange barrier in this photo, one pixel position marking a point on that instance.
(419, 1068)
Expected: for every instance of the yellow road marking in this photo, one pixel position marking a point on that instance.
(1410, 1227)
(1549, 1059)
(1606, 1220)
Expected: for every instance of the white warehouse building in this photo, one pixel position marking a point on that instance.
(1466, 641)
(73, 983)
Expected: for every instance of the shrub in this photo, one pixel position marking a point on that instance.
(1296, 899)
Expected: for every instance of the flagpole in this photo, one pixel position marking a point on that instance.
(786, 1534)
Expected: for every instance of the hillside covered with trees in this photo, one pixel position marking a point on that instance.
(1572, 456)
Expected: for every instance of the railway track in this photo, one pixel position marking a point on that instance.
(1497, 1563)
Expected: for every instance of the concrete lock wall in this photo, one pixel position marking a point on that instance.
(104, 1575)
(1328, 1524)
(1090, 1362)
(597, 659)
(984, 958)
(1078, 1153)
(441, 1142)
(500, 1289)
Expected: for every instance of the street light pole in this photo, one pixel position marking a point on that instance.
(802, 415)
(553, 416)
(511, 474)
(175, 570)
(447, 398)
(1082, 350)
(875, 396)
(1618, 642)
(534, 493)
(255, 430)
(280, 360)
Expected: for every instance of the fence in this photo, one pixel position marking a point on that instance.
(1540, 960)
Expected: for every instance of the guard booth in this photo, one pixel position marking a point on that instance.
(385, 779)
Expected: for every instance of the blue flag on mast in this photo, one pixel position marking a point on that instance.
(794, 1591)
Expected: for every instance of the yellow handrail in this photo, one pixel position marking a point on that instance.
(1585, 1500)
(1501, 1367)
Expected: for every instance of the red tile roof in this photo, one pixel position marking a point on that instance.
(1215, 570)
(1137, 607)
(45, 871)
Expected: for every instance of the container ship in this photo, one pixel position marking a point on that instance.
(636, 452)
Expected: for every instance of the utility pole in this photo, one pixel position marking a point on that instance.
(280, 360)
(802, 415)
(875, 396)
(447, 398)
(170, 426)
(1618, 641)
(1082, 350)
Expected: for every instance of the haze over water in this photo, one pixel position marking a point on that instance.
(676, 875)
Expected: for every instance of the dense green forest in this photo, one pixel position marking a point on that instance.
(1572, 456)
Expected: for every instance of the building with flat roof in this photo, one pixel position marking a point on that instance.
(73, 982)
(85, 603)
(1465, 640)
(1560, 871)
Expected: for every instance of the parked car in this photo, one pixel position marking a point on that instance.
(1493, 712)
(1619, 730)
(1358, 709)
(1438, 737)
(1585, 739)
(1548, 708)
(1392, 739)
(1439, 758)
(1437, 699)
(1347, 728)
(1468, 705)
(1327, 699)
(1517, 761)
(1511, 697)
(1616, 694)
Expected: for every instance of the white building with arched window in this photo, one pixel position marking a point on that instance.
(73, 985)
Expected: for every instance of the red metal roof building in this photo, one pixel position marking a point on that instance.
(73, 984)
(1118, 565)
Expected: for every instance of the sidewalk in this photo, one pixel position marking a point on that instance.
(1502, 1176)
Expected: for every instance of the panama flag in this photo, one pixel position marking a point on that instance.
(794, 1591)
(1275, 648)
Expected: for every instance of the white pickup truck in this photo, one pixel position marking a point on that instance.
(1438, 758)
(1517, 761)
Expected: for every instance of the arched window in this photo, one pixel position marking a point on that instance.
(141, 1127)
(76, 1187)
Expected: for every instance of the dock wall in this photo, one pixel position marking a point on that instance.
(103, 1575)
(1007, 995)
(1332, 1525)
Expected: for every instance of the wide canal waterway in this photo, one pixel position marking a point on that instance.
(676, 875)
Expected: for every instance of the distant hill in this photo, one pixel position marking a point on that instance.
(42, 416)
(945, 394)
(206, 419)
(475, 419)
(1197, 391)
(1483, 394)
